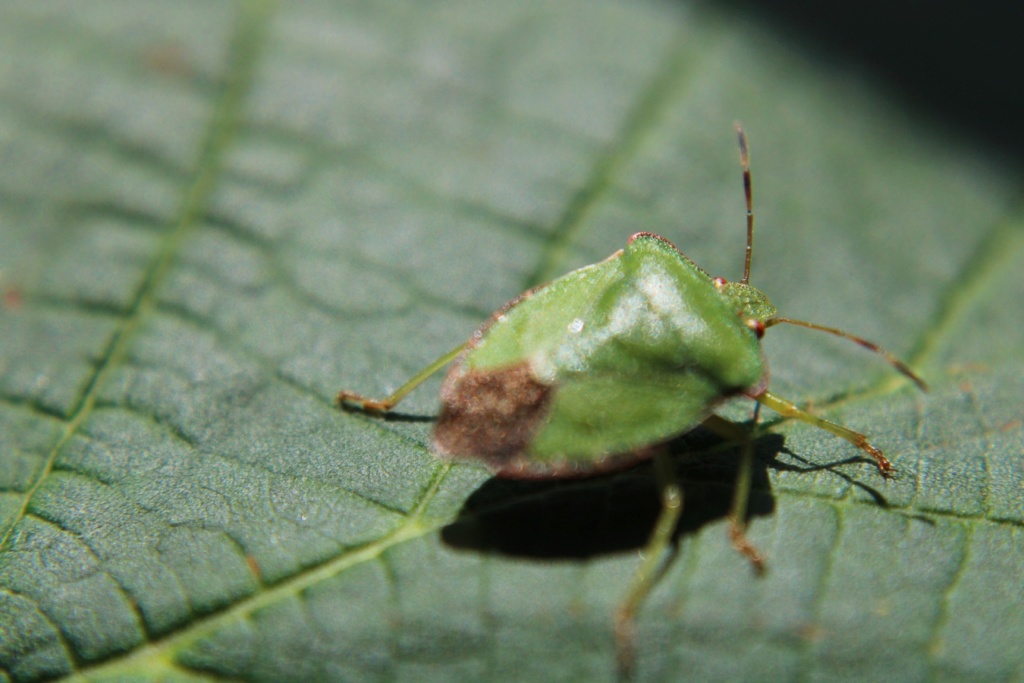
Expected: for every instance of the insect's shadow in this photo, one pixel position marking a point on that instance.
(807, 466)
(395, 416)
(611, 513)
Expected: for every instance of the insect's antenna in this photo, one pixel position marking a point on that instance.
(871, 346)
(745, 162)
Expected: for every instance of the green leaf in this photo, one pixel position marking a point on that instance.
(213, 216)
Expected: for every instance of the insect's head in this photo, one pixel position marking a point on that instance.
(754, 308)
(750, 303)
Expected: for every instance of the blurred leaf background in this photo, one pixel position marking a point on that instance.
(214, 215)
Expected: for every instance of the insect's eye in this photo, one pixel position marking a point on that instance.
(757, 326)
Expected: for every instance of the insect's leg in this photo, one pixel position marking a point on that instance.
(741, 494)
(382, 405)
(741, 498)
(790, 409)
(647, 573)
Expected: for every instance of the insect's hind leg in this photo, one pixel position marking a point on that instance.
(382, 405)
(652, 564)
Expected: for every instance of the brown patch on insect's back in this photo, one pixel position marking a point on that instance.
(490, 415)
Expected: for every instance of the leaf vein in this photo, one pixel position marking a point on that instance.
(660, 90)
(222, 125)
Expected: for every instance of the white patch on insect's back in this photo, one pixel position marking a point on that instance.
(670, 304)
(573, 354)
(625, 316)
(544, 367)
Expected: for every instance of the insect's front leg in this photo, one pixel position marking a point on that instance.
(741, 491)
(790, 409)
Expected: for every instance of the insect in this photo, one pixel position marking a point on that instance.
(602, 366)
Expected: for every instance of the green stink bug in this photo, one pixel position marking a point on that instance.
(602, 366)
